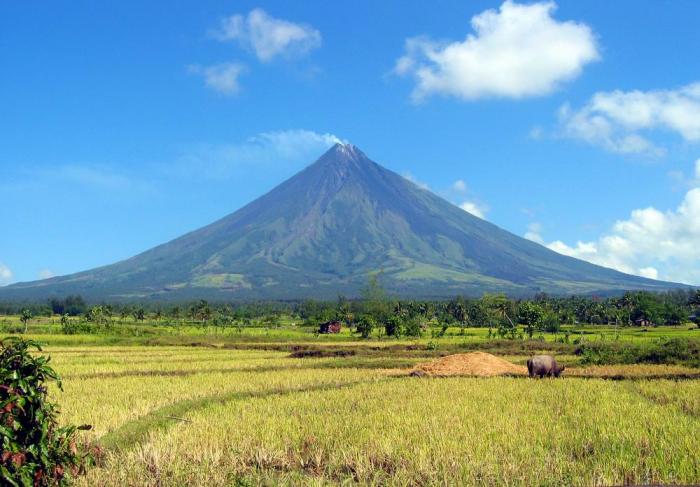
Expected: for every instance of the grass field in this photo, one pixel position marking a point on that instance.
(234, 409)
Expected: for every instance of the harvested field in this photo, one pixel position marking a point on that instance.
(477, 364)
(220, 417)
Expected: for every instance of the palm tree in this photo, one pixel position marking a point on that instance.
(24, 317)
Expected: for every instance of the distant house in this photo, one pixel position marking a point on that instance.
(643, 322)
(330, 327)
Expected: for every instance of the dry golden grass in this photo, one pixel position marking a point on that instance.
(201, 416)
(455, 431)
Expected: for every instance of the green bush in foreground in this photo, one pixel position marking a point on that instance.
(35, 451)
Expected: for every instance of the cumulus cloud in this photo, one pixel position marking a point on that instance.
(649, 272)
(650, 243)
(279, 150)
(5, 274)
(223, 78)
(621, 121)
(455, 193)
(534, 232)
(517, 51)
(268, 37)
(474, 208)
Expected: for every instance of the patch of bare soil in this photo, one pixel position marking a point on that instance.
(479, 364)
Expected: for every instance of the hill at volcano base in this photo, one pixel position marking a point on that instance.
(323, 232)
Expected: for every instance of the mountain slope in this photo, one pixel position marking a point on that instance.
(323, 231)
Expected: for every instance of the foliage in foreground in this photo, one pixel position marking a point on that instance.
(35, 451)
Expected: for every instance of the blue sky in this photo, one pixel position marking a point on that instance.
(126, 124)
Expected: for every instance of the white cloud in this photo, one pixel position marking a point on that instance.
(46, 274)
(5, 274)
(221, 77)
(474, 208)
(459, 186)
(620, 121)
(277, 150)
(649, 272)
(650, 243)
(457, 191)
(268, 37)
(534, 232)
(517, 51)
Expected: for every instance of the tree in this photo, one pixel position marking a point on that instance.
(57, 306)
(551, 323)
(412, 327)
(392, 326)
(75, 305)
(139, 314)
(175, 313)
(694, 300)
(375, 299)
(498, 306)
(24, 317)
(530, 314)
(366, 324)
(99, 315)
(459, 312)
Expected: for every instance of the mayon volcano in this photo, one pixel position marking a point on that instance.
(324, 231)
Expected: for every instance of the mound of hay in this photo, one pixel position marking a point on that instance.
(478, 364)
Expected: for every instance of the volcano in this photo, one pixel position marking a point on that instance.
(324, 231)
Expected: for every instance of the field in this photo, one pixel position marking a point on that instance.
(205, 407)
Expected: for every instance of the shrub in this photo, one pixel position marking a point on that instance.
(35, 451)
(412, 328)
(392, 326)
(71, 327)
(365, 326)
(663, 351)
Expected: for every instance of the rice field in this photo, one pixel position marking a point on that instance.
(213, 416)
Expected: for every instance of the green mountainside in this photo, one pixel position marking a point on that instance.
(323, 232)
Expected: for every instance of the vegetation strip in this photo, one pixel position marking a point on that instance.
(384, 364)
(133, 432)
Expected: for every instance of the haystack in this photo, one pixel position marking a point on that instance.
(478, 364)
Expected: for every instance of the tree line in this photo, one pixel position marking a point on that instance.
(375, 307)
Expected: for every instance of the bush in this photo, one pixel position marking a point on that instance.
(412, 328)
(35, 451)
(662, 351)
(365, 326)
(71, 327)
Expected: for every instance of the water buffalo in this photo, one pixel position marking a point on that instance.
(544, 366)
